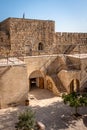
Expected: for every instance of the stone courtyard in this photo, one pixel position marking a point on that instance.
(32, 52)
(49, 109)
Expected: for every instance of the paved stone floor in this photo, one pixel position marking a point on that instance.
(49, 109)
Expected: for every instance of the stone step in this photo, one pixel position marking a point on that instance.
(58, 84)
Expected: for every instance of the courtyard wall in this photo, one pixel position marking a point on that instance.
(13, 85)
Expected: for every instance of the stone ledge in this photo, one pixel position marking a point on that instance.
(40, 125)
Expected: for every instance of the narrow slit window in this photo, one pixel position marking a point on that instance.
(40, 46)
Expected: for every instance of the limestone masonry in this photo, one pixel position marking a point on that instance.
(32, 55)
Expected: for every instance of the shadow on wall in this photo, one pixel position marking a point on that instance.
(84, 87)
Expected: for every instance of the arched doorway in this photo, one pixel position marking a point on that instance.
(36, 80)
(74, 85)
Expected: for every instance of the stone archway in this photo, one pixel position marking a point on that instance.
(50, 85)
(74, 85)
(36, 79)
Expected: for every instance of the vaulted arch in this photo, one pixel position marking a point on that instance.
(36, 79)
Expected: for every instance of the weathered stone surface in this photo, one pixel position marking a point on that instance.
(52, 58)
(13, 85)
(20, 37)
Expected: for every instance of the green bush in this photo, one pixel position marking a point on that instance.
(26, 120)
(75, 100)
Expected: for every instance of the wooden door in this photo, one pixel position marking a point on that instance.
(41, 82)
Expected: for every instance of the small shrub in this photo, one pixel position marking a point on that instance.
(26, 121)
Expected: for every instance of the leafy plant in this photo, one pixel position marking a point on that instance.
(26, 121)
(75, 100)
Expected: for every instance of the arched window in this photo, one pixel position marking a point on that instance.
(40, 46)
(28, 50)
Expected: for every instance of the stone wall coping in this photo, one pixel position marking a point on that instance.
(53, 55)
(81, 56)
(26, 19)
(11, 62)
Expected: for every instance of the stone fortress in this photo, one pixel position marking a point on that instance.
(32, 55)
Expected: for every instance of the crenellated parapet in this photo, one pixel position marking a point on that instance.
(71, 42)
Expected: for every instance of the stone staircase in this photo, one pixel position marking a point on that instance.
(61, 67)
(83, 82)
(58, 84)
(57, 65)
(67, 65)
(47, 63)
(71, 65)
(53, 74)
(62, 63)
(68, 49)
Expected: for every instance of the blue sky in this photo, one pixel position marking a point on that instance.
(69, 15)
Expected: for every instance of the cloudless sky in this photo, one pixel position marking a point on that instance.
(69, 15)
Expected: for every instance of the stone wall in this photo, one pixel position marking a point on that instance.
(13, 85)
(24, 36)
(5, 25)
(40, 63)
(53, 68)
(38, 66)
(83, 75)
(37, 43)
(70, 43)
(28, 34)
(67, 76)
(4, 38)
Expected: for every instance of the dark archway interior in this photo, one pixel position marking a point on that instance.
(33, 83)
(36, 82)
